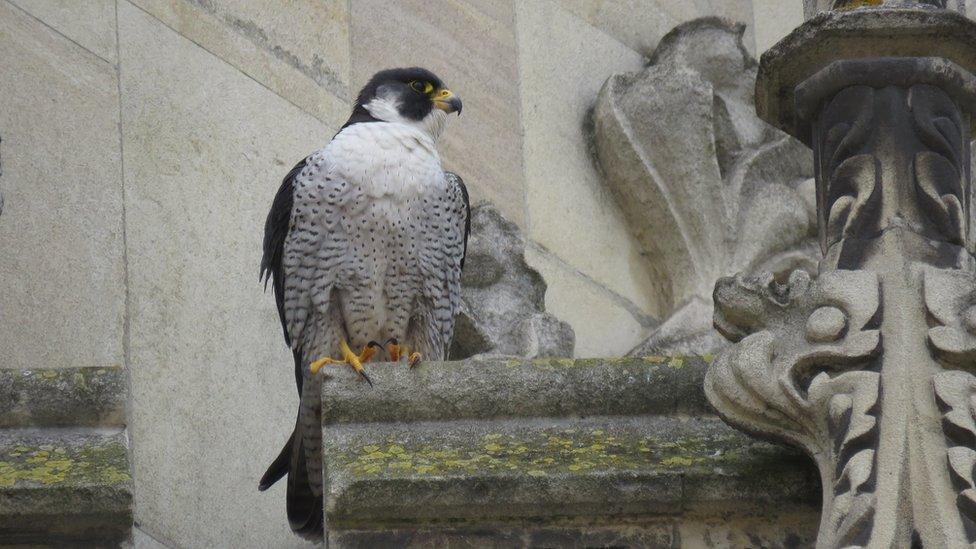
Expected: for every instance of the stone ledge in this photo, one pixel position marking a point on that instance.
(62, 397)
(479, 389)
(512, 449)
(64, 487)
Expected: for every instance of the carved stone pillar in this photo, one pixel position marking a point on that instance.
(869, 367)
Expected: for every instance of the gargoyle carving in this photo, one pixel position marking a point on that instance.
(806, 371)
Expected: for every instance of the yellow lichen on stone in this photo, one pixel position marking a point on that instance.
(678, 461)
(47, 465)
(551, 451)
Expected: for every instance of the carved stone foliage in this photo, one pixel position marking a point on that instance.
(809, 375)
(913, 134)
(705, 186)
(950, 298)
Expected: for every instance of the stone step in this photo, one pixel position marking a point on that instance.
(512, 450)
(84, 397)
(64, 487)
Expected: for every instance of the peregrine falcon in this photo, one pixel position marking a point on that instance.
(364, 246)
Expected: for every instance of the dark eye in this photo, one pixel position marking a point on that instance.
(422, 87)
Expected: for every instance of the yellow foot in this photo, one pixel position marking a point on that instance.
(348, 357)
(398, 351)
(393, 348)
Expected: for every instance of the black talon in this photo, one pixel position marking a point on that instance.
(366, 377)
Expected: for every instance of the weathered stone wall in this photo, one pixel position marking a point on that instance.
(143, 141)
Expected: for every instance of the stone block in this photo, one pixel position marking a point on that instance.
(471, 45)
(563, 62)
(299, 50)
(515, 451)
(62, 275)
(62, 397)
(60, 489)
(206, 147)
(90, 24)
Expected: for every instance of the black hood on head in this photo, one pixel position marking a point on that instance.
(414, 105)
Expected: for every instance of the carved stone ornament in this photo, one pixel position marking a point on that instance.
(706, 187)
(871, 367)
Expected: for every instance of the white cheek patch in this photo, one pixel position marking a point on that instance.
(386, 107)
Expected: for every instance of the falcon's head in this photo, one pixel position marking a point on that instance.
(412, 96)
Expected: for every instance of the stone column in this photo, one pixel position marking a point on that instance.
(869, 367)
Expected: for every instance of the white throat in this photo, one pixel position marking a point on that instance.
(387, 109)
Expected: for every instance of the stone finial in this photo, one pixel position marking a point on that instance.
(813, 7)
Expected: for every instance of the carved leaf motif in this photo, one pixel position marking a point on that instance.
(954, 390)
(949, 298)
(940, 190)
(938, 171)
(852, 511)
(851, 176)
(853, 187)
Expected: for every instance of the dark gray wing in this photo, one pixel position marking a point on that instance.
(276, 229)
(457, 181)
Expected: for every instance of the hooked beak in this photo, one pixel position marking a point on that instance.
(445, 100)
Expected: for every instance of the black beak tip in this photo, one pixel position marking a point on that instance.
(456, 105)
